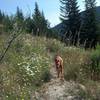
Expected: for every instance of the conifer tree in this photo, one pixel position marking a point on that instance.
(19, 18)
(37, 19)
(8, 23)
(70, 18)
(89, 31)
(44, 24)
(1, 16)
(28, 24)
(41, 24)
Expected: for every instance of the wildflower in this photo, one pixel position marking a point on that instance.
(35, 71)
(40, 66)
(32, 74)
(19, 64)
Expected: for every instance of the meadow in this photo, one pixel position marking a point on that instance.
(26, 66)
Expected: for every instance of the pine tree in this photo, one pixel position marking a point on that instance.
(41, 24)
(1, 20)
(37, 19)
(70, 18)
(90, 25)
(28, 24)
(19, 18)
(44, 24)
(8, 23)
(1, 17)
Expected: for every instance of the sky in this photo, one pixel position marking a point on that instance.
(51, 8)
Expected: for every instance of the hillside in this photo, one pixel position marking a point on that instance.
(27, 71)
(59, 26)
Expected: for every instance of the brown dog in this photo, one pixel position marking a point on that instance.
(59, 67)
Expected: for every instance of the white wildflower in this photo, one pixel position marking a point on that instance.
(19, 64)
(35, 71)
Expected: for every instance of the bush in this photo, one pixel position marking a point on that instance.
(95, 62)
(24, 68)
(32, 68)
(46, 76)
(74, 59)
(54, 46)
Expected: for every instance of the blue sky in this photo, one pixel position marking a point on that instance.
(50, 8)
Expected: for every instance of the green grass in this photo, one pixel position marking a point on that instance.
(25, 66)
(27, 62)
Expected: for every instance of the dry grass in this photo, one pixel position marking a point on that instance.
(25, 64)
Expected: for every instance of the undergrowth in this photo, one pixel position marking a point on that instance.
(26, 65)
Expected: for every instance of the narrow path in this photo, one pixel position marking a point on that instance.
(53, 72)
(59, 90)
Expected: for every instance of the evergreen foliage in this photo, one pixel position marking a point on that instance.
(89, 31)
(8, 23)
(41, 24)
(70, 17)
(19, 18)
(1, 16)
(28, 24)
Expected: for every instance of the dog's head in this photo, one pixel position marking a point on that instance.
(57, 60)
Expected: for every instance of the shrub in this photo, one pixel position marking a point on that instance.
(24, 67)
(74, 59)
(95, 62)
(34, 67)
(54, 46)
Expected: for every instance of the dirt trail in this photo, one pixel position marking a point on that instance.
(59, 90)
(53, 72)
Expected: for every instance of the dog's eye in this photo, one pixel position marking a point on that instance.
(57, 60)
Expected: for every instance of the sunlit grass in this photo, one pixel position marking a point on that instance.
(26, 65)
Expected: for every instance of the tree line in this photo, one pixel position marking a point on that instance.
(77, 28)
(36, 24)
(17, 24)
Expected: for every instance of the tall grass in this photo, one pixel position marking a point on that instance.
(26, 65)
(95, 63)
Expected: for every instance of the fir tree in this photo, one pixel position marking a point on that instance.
(70, 18)
(37, 20)
(89, 31)
(1, 17)
(41, 24)
(19, 18)
(8, 23)
(29, 25)
(44, 24)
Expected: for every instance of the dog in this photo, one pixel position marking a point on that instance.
(59, 67)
